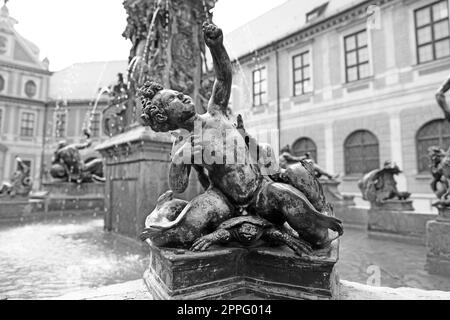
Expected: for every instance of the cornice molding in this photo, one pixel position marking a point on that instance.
(310, 30)
(24, 68)
(22, 100)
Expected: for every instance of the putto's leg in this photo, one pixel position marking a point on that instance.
(201, 216)
(300, 247)
(219, 236)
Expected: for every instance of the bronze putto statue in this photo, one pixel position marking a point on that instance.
(241, 203)
(379, 185)
(67, 164)
(440, 98)
(440, 172)
(21, 183)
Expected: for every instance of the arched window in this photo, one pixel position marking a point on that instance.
(433, 133)
(30, 88)
(304, 145)
(361, 153)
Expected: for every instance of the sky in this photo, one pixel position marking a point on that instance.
(71, 31)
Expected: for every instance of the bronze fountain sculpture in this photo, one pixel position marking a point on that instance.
(440, 98)
(21, 183)
(67, 164)
(286, 159)
(440, 172)
(241, 203)
(379, 185)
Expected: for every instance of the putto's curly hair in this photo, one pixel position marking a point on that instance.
(154, 113)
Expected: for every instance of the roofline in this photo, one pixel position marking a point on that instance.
(25, 68)
(316, 27)
(90, 62)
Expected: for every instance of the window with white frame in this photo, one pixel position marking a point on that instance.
(95, 124)
(432, 31)
(30, 88)
(356, 49)
(27, 124)
(301, 73)
(60, 127)
(260, 86)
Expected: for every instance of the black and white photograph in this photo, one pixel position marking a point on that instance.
(224, 150)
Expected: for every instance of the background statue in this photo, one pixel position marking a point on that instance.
(286, 159)
(440, 98)
(237, 186)
(67, 164)
(379, 185)
(115, 116)
(440, 171)
(21, 182)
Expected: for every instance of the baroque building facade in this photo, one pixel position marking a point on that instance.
(351, 82)
(24, 87)
(39, 108)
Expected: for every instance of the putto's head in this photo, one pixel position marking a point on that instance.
(285, 149)
(163, 109)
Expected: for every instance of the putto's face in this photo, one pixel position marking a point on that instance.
(169, 110)
(180, 107)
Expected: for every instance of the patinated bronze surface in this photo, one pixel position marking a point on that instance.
(379, 185)
(236, 188)
(67, 164)
(440, 98)
(20, 184)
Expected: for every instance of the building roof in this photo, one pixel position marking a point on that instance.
(82, 81)
(280, 22)
(25, 52)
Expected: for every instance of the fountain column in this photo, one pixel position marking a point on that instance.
(166, 46)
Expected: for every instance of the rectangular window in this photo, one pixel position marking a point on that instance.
(260, 86)
(432, 32)
(356, 56)
(302, 73)
(95, 124)
(25, 162)
(27, 124)
(60, 128)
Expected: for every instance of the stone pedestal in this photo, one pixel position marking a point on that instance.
(241, 273)
(333, 195)
(344, 205)
(20, 209)
(69, 197)
(396, 220)
(136, 171)
(438, 244)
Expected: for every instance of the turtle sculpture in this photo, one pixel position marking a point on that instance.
(248, 230)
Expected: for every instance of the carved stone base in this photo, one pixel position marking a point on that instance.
(393, 205)
(19, 209)
(352, 216)
(233, 273)
(66, 196)
(136, 171)
(389, 222)
(438, 244)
